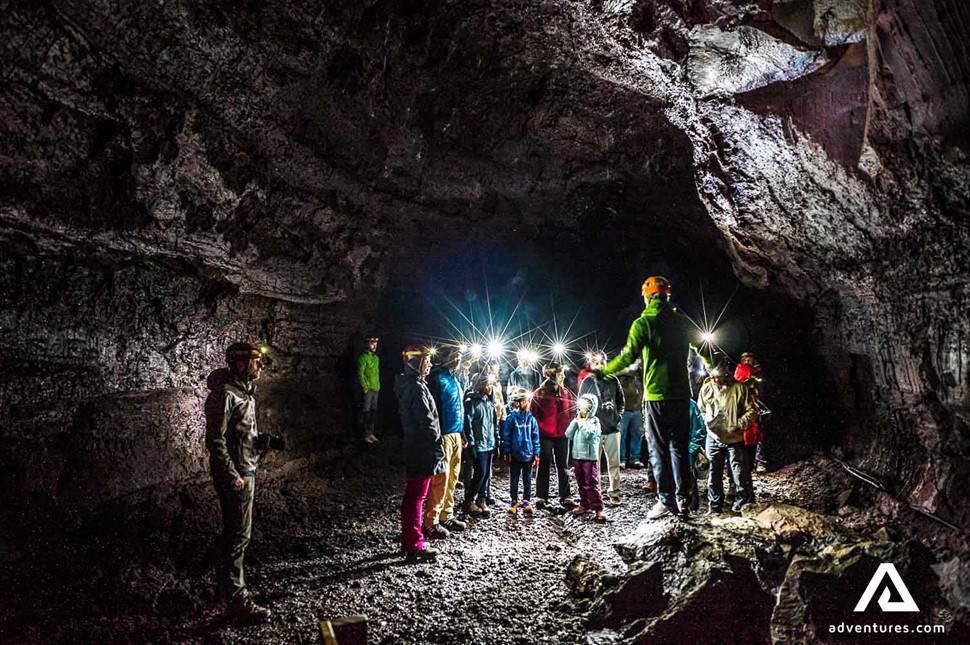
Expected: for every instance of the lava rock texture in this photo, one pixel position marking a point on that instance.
(174, 175)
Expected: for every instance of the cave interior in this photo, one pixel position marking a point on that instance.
(177, 176)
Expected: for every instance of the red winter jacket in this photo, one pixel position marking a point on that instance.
(552, 411)
(743, 374)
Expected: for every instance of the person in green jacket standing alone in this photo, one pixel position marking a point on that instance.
(661, 339)
(369, 382)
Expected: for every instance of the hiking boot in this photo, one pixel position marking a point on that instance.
(245, 611)
(567, 502)
(371, 439)
(514, 507)
(437, 532)
(637, 465)
(600, 516)
(760, 469)
(490, 501)
(659, 510)
(471, 509)
(650, 486)
(482, 507)
(454, 524)
(541, 503)
(526, 507)
(613, 500)
(580, 510)
(424, 555)
(624, 465)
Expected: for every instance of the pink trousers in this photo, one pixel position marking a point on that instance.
(415, 492)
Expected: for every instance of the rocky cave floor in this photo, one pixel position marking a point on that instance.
(326, 546)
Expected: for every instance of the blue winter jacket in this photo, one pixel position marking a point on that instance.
(449, 393)
(698, 433)
(520, 436)
(481, 422)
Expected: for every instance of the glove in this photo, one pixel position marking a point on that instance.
(535, 462)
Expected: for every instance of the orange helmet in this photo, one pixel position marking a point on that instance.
(656, 284)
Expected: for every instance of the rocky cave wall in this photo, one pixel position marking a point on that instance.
(177, 174)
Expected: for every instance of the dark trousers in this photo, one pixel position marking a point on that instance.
(237, 527)
(482, 474)
(668, 433)
(523, 469)
(736, 454)
(588, 482)
(553, 450)
(368, 412)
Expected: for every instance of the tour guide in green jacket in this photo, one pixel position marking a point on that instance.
(369, 385)
(661, 339)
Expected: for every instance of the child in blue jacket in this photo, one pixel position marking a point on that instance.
(520, 445)
(585, 434)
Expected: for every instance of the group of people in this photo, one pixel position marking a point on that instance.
(545, 427)
(457, 419)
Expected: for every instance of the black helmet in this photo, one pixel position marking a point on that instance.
(242, 351)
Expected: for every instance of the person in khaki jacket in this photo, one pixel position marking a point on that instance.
(727, 408)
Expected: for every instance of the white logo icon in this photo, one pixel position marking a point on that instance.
(887, 569)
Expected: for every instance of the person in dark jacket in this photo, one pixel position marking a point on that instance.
(482, 438)
(632, 438)
(424, 457)
(447, 385)
(661, 339)
(552, 406)
(525, 376)
(520, 447)
(609, 411)
(234, 446)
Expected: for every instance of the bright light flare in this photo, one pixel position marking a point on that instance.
(476, 351)
(707, 337)
(495, 348)
(433, 351)
(463, 348)
(559, 349)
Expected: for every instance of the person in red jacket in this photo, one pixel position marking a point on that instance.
(553, 407)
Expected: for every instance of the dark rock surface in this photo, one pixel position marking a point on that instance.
(177, 175)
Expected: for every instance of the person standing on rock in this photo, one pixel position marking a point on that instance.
(447, 385)
(584, 434)
(234, 446)
(369, 386)
(609, 411)
(482, 437)
(520, 447)
(727, 408)
(552, 406)
(424, 457)
(661, 339)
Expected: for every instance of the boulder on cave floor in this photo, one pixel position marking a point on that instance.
(777, 573)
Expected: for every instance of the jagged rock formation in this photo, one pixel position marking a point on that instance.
(177, 174)
(779, 574)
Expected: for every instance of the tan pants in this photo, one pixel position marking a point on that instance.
(440, 506)
(610, 446)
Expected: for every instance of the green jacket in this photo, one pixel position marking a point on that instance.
(661, 339)
(369, 372)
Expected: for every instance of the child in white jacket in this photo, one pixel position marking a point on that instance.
(584, 433)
